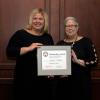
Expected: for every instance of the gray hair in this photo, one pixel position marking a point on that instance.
(71, 18)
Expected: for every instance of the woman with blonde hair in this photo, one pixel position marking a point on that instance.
(23, 46)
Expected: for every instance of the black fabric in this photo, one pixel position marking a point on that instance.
(78, 85)
(27, 85)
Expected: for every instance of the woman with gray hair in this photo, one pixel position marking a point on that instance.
(23, 47)
(84, 57)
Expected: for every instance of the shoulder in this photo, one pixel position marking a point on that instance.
(87, 42)
(84, 39)
(87, 39)
(18, 33)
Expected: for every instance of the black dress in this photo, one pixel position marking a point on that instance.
(27, 85)
(78, 85)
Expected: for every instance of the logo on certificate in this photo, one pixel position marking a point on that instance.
(45, 54)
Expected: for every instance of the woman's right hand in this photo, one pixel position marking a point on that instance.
(24, 50)
(34, 45)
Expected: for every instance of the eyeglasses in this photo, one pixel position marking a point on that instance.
(70, 25)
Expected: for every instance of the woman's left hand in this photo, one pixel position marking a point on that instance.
(76, 60)
(73, 56)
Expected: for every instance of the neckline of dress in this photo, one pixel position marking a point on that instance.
(33, 34)
(72, 42)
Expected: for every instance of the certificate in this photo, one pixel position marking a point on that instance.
(54, 60)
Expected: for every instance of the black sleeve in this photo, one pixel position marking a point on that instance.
(91, 53)
(13, 47)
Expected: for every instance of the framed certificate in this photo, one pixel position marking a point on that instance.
(54, 60)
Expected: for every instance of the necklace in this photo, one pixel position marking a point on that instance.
(73, 42)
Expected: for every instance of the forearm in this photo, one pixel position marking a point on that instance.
(25, 50)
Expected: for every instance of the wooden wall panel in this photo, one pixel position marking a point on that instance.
(14, 15)
(78, 9)
(96, 89)
(54, 11)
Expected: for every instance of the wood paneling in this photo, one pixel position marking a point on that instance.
(96, 89)
(6, 91)
(14, 15)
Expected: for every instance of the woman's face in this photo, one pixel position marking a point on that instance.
(71, 28)
(38, 22)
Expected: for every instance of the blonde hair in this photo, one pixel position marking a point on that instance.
(71, 18)
(43, 13)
